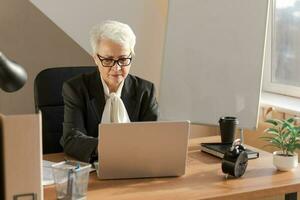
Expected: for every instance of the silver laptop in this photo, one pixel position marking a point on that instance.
(142, 149)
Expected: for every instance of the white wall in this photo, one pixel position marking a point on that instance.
(32, 40)
(29, 38)
(146, 17)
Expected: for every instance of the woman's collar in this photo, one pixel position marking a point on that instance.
(106, 89)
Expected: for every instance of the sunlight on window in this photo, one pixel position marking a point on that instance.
(281, 4)
(286, 40)
(296, 14)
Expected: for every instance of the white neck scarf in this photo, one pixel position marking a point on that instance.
(114, 110)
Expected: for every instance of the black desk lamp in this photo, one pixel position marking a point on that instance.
(12, 75)
(12, 78)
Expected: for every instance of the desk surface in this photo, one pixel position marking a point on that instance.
(203, 180)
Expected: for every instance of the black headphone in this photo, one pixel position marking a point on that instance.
(235, 160)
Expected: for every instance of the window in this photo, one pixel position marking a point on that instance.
(283, 74)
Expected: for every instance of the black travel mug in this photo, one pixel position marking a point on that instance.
(227, 128)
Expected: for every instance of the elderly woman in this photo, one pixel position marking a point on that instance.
(110, 94)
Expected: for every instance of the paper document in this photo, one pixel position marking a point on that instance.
(47, 173)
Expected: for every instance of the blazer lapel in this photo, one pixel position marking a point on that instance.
(98, 102)
(128, 97)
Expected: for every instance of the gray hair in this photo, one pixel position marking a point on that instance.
(116, 31)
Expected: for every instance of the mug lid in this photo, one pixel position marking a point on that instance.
(229, 119)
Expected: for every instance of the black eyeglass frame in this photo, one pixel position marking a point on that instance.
(101, 58)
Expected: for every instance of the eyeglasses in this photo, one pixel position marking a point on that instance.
(109, 62)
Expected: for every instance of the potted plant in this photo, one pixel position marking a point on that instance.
(285, 136)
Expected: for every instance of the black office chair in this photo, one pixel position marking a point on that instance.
(48, 99)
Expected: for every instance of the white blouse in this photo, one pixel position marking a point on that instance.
(114, 109)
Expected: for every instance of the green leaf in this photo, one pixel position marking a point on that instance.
(297, 129)
(274, 122)
(272, 131)
(285, 134)
(291, 147)
(297, 146)
(266, 138)
(292, 140)
(291, 120)
(287, 126)
(277, 141)
(276, 145)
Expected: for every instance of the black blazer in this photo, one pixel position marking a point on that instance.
(84, 103)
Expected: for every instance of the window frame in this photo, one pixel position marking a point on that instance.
(268, 85)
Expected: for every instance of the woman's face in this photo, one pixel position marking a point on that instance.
(107, 50)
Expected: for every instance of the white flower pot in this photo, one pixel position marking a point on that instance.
(284, 163)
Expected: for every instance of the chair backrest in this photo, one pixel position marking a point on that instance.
(48, 99)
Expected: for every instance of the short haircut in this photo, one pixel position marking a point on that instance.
(116, 31)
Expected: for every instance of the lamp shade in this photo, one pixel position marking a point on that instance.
(12, 75)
